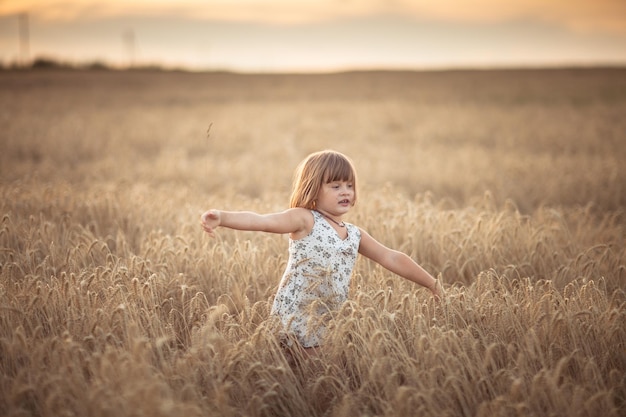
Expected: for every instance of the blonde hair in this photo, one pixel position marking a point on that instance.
(317, 169)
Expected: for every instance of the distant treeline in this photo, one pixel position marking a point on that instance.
(47, 63)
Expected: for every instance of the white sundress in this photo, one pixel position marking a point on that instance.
(316, 280)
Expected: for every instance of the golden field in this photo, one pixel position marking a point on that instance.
(508, 185)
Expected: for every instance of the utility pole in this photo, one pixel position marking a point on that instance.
(24, 39)
(129, 40)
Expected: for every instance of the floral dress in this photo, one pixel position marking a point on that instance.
(316, 280)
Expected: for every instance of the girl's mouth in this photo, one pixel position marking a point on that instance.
(346, 201)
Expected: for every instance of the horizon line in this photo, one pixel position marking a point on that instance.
(44, 62)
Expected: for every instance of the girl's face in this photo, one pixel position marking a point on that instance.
(336, 197)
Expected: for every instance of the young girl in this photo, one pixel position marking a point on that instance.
(322, 247)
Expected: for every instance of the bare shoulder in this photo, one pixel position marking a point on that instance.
(370, 247)
(304, 220)
(365, 234)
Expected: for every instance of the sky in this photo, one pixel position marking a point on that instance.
(316, 35)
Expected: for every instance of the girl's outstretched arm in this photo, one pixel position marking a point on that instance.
(397, 262)
(294, 221)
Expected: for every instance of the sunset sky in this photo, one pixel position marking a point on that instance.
(317, 35)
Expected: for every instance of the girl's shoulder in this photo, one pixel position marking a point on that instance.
(301, 212)
(305, 218)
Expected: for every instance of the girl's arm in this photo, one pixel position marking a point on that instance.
(397, 262)
(292, 221)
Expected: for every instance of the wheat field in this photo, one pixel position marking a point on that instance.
(508, 185)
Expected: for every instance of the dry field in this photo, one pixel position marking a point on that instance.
(509, 185)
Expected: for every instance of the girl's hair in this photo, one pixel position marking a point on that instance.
(317, 169)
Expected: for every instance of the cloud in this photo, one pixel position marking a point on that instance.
(580, 15)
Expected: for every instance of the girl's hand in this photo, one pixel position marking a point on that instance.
(437, 289)
(209, 220)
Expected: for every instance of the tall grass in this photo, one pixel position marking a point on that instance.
(508, 185)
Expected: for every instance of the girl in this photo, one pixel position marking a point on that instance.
(322, 247)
